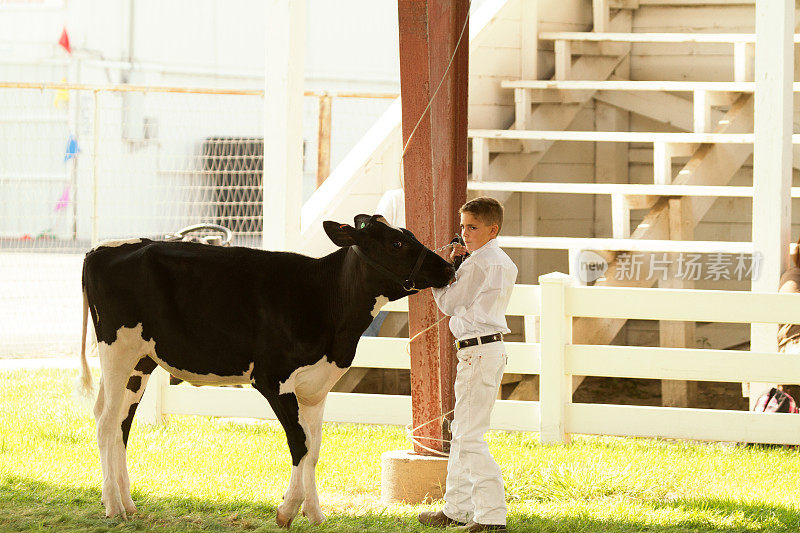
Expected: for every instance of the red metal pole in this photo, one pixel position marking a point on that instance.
(435, 171)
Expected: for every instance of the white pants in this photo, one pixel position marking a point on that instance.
(474, 481)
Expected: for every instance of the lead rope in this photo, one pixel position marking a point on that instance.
(409, 431)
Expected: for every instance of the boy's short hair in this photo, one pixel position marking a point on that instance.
(485, 208)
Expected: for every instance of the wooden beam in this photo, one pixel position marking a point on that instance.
(659, 106)
(527, 389)
(626, 37)
(350, 380)
(620, 136)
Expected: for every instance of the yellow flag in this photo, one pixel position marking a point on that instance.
(61, 97)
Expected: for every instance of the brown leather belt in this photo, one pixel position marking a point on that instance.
(474, 341)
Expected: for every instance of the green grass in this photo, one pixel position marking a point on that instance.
(201, 474)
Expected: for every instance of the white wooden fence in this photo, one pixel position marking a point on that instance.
(556, 359)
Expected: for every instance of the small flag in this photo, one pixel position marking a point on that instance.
(63, 201)
(61, 97)
(64, 41)
(72, 148)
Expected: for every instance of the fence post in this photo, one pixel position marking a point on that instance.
(555, 386)
(95, 179)
(324, 139)
(151, 406)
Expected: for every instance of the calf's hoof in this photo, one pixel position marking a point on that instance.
(113, 504)
(116, 510)
(130, 507)
(315, 517)
(283, 520)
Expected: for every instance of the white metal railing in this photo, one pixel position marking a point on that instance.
(557, 360)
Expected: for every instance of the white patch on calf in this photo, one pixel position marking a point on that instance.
(205, 379)
(113, 243)
(130, 340)
(312, 382)
(380, 301)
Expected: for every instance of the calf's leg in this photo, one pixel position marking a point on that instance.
(311, 421)
(288, 413)
(133, 395)
(117, 362)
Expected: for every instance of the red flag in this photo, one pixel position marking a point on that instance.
(64, 41)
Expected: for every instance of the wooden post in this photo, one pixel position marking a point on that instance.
(555, 386)
(435, 183)
(324, 139)
(283, 124)
(522, 106)
(529, 40)
(600, 15)
(620, 217)
(662, 163)
(772, 158)
(673, 334)
(480, 158)
(563, 53)
(743, 61)
(702, 112)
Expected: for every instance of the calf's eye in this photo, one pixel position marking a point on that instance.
(397, 244)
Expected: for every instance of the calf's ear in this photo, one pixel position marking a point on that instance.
(340, 234)
(361, 221)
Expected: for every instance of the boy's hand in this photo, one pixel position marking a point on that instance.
(458, 250)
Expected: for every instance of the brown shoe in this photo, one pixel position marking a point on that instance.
(474, 526)
(438, 519)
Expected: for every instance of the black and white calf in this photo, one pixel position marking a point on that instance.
(287, 323)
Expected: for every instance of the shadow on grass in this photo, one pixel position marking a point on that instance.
(704, 515)
(30, 505)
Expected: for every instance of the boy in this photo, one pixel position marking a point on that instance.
(476, 301)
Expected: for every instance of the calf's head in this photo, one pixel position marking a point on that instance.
(398, 261)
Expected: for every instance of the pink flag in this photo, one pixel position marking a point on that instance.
(64, 200)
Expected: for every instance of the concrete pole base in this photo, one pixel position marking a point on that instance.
(409, 477)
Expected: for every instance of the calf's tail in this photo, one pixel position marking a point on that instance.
(84, 384)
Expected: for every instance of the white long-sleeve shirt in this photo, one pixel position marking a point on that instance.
(477, 300)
